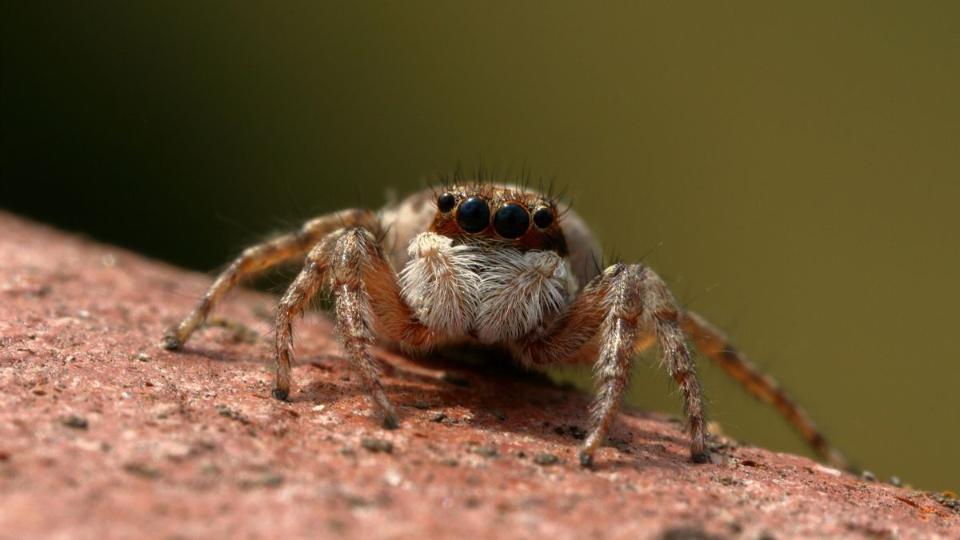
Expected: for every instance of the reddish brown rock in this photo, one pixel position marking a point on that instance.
(102, 434)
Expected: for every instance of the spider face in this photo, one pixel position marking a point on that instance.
(492, 266)
(499, 215)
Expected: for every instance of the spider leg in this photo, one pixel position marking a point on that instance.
(714, 344)
(257, 259)
(639, 305)
(629, 306)
(368, 302)
(298, 295)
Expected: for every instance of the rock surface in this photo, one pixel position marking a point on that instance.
(104, 435)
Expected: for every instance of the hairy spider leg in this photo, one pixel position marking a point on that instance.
(628, 305)
(351, 263)
(715, 345)
(258, 258)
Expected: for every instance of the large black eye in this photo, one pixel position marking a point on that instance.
(543, 217)
(473, 215)
(446, 202)
(511, 221)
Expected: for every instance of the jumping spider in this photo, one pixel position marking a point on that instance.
(495, 265)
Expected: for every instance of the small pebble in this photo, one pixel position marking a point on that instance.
(267, 479)
(868, 476)
(546, 459)
(486, 451)
(895, 481)
(393, 478)
(439, 417)
(75, 422)
(422, 405)
(233, 414)
(210, 469)
(143, 357)
(377, 445)
(141, 469)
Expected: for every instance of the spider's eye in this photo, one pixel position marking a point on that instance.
(473, 215)
(511, 221)
(446, 202)
(543, 217)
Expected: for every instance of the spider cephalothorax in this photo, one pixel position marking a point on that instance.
(496, 265)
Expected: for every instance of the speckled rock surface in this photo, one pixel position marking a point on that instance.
(104, 435)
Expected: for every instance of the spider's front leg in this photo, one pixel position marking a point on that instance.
(351, 263)
(640, 307)
(626, 307)
(256, 259)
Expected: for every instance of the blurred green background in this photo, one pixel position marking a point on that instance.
(793, 167)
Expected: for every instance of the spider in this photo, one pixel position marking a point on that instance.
(497, 265)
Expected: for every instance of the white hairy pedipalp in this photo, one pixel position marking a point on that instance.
(519, 292)
(497, 295)
(440, 283)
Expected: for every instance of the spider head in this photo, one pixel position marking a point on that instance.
(499, 215)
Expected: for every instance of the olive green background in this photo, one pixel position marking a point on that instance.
(791, 168)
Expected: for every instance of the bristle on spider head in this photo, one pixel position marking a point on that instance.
(506, 183)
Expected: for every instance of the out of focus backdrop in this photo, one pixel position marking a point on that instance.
(792, 170)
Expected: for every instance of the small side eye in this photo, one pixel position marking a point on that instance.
(473, 215)
(446, 202)
(543, 217)
(511, 221)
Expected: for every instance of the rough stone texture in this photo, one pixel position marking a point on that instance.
(102, 434)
